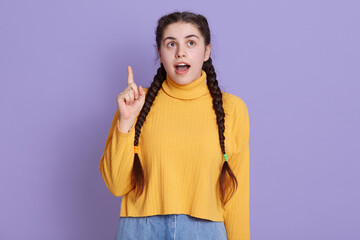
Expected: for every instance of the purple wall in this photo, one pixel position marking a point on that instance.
(295, 63)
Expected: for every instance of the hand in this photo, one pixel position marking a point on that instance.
(130, 101)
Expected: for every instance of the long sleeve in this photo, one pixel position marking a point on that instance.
(180, 127)
(117, 160)
(236, 214)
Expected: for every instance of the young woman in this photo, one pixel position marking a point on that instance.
(178, 151)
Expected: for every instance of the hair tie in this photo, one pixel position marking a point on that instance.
(226, 157)
(136, 149)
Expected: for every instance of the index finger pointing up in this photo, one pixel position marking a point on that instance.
(130, 75)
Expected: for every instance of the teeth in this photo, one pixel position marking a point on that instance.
(181, 64)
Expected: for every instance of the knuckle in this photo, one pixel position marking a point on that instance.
(119, 96)
(132, 84)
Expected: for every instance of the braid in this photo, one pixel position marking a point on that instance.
(216, 94)
(137, 176)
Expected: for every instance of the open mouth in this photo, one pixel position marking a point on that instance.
(182, 68)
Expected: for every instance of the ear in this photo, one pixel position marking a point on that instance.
(207, 52)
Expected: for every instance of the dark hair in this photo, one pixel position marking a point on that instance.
(137, 177)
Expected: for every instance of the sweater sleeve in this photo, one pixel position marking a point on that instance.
(236, 213)
(117, 160)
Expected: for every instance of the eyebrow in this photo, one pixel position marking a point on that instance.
(188, 36)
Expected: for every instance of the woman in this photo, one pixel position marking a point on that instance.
(178, 151)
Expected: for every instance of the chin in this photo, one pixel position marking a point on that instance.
(182, 79)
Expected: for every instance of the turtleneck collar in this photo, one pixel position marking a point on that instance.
(195, 89)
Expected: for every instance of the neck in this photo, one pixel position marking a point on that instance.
(195, 89)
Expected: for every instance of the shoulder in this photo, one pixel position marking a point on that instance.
(234, 105)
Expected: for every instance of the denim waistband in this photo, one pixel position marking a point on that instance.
(169, 227)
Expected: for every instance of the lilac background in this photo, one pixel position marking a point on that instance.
(295, 64)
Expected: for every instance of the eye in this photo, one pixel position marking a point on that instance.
(193, 43)
(169, 44)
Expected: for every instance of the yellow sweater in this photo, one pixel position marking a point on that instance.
(179, 150)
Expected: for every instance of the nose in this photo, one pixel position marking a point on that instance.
(180, 52)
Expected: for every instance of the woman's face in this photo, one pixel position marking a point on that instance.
(182, 42)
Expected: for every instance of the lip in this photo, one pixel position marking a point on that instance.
(182, 73)
(181, 62)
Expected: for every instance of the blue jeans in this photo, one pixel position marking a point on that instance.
(169, 227)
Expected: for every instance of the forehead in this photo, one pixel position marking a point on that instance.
(181, 30)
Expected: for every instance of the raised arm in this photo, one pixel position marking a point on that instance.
(116, 162)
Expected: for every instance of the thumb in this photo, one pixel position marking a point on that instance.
(141, 91)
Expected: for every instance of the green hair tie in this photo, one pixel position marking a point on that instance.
(226, 157)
